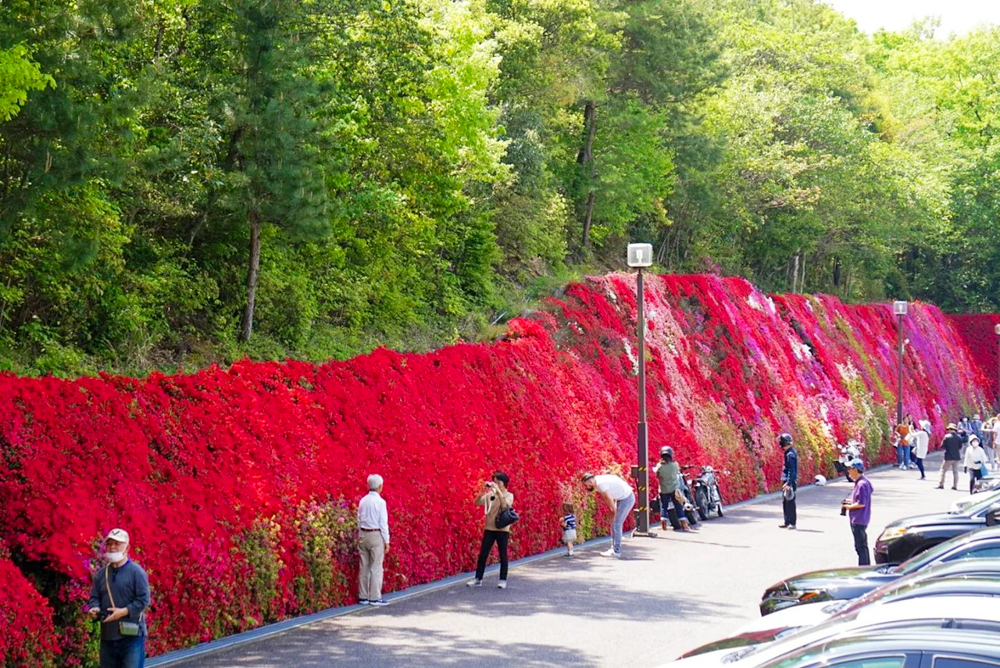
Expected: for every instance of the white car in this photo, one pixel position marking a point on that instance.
(979, 611)
(914, 585)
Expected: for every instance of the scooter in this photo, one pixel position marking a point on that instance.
(848, 453)
(705, 492)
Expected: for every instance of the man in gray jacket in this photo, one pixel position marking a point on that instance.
(119, 597)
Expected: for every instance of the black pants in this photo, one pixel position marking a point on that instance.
(975, 473)
(791, 515)
(920, 465)
(489, 537)
(860, 532)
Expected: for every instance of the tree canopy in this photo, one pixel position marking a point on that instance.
(190, 181)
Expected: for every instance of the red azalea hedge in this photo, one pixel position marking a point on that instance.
(239, 486)
(979, 335)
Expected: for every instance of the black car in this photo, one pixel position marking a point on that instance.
(912, 535)
(918, 648)
(845, 583)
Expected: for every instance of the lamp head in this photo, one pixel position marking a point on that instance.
(640, 255)
(899, 307)
(996, 329)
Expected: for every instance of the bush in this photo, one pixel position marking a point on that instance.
(242, 483)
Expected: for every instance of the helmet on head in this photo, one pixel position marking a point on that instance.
(666, 451)
(785, 440)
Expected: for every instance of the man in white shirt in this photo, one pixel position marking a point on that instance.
(373, 523)
(619, 496)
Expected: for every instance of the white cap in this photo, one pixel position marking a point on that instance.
(119, 535)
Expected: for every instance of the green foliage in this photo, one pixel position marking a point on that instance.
(414, 173)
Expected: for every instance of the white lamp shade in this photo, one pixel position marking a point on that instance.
(899, 308)
(996, 329)
(640, 255)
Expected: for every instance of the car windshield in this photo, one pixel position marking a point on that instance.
(917, 562)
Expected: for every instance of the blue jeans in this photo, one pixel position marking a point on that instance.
(124, 653)
(622, 508)
(903, 455)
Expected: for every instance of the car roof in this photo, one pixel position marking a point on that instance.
(947, 610)
(974, 642)
(983, 585)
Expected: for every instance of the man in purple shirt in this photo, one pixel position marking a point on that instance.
(859, 507)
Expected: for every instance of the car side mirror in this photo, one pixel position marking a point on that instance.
(993, 515)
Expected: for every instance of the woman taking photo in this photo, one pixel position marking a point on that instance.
(494, 498)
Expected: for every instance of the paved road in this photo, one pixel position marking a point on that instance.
(667, 594)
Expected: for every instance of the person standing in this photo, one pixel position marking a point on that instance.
(952, 446)
(859, 508)
(902, 444)
(373, 523)
(993, 452)
(921, 442)
(668, 473)
(975, 457)
(119, 596)
(494, 498)
(789, 480)
(620, 498)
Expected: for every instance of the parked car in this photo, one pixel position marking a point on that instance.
(903, 648)
(965, 576)
(847, 583)
(915, 584)
(980, 613)
(910, 536)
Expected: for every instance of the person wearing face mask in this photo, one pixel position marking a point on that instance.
(119, 597)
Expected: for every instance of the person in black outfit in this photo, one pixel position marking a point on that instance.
(789, 479)
(952, 446)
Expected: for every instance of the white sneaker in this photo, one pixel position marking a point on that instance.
(502, 584)
(474, 583)
(610, 552)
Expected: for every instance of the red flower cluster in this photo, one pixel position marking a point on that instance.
(238, 487)
(979, 335)
(28, 637)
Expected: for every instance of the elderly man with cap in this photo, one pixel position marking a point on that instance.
(952, 446)
(119, 596)
(373, 521)
(859, 508)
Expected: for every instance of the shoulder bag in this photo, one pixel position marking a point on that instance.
(126, 629)
(506, 517)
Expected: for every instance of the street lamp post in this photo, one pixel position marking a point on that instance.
(996, 330)
(639, 256)
(899, 308)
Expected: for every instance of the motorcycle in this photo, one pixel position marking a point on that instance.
(848, 452)
(704, 491)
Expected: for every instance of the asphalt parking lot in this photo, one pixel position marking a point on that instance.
(667, 595)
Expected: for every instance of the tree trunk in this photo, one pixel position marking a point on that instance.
(585, 158)
(795, 272)
(253, 272)
(588, 216)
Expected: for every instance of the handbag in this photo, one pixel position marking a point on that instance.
(983, 471)
(126, 629)
(506, 517)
